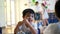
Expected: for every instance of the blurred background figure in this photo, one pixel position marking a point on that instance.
(45, 15)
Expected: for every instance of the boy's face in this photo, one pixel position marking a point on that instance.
(30, 17)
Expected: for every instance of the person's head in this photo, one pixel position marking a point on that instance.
(36, 3)
(57, 9)
(29, 14)
(42, 4)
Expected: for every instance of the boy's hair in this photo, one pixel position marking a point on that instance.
(28, 11)
(57, 8)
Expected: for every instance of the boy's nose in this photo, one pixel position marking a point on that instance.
(30, 18)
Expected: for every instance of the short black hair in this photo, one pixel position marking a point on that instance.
(36, 2)
(57, 8)
(43, 4)
(31, 11)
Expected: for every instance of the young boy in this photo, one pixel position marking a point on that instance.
(26, 25)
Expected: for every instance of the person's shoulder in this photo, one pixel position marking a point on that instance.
(52, 25)
(20, 23)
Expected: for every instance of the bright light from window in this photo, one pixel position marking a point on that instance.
(12, 12)
(8, 13)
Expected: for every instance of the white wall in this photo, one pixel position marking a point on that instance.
(23, 7)
(2, 14)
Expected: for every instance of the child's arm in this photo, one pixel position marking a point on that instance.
(30, 26)
(16, 30)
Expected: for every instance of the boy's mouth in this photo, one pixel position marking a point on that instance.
(29, 20)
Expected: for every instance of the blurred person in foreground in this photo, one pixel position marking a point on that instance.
(55, 27)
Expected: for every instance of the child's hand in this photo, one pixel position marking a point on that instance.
(27, 23)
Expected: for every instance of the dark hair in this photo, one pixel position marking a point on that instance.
(36, 2)
(57, 8)
(28, 11)
(43, 4)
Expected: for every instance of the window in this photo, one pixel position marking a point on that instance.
(9, 16)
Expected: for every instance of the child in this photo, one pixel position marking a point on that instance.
(26, 25)
(45, 15)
